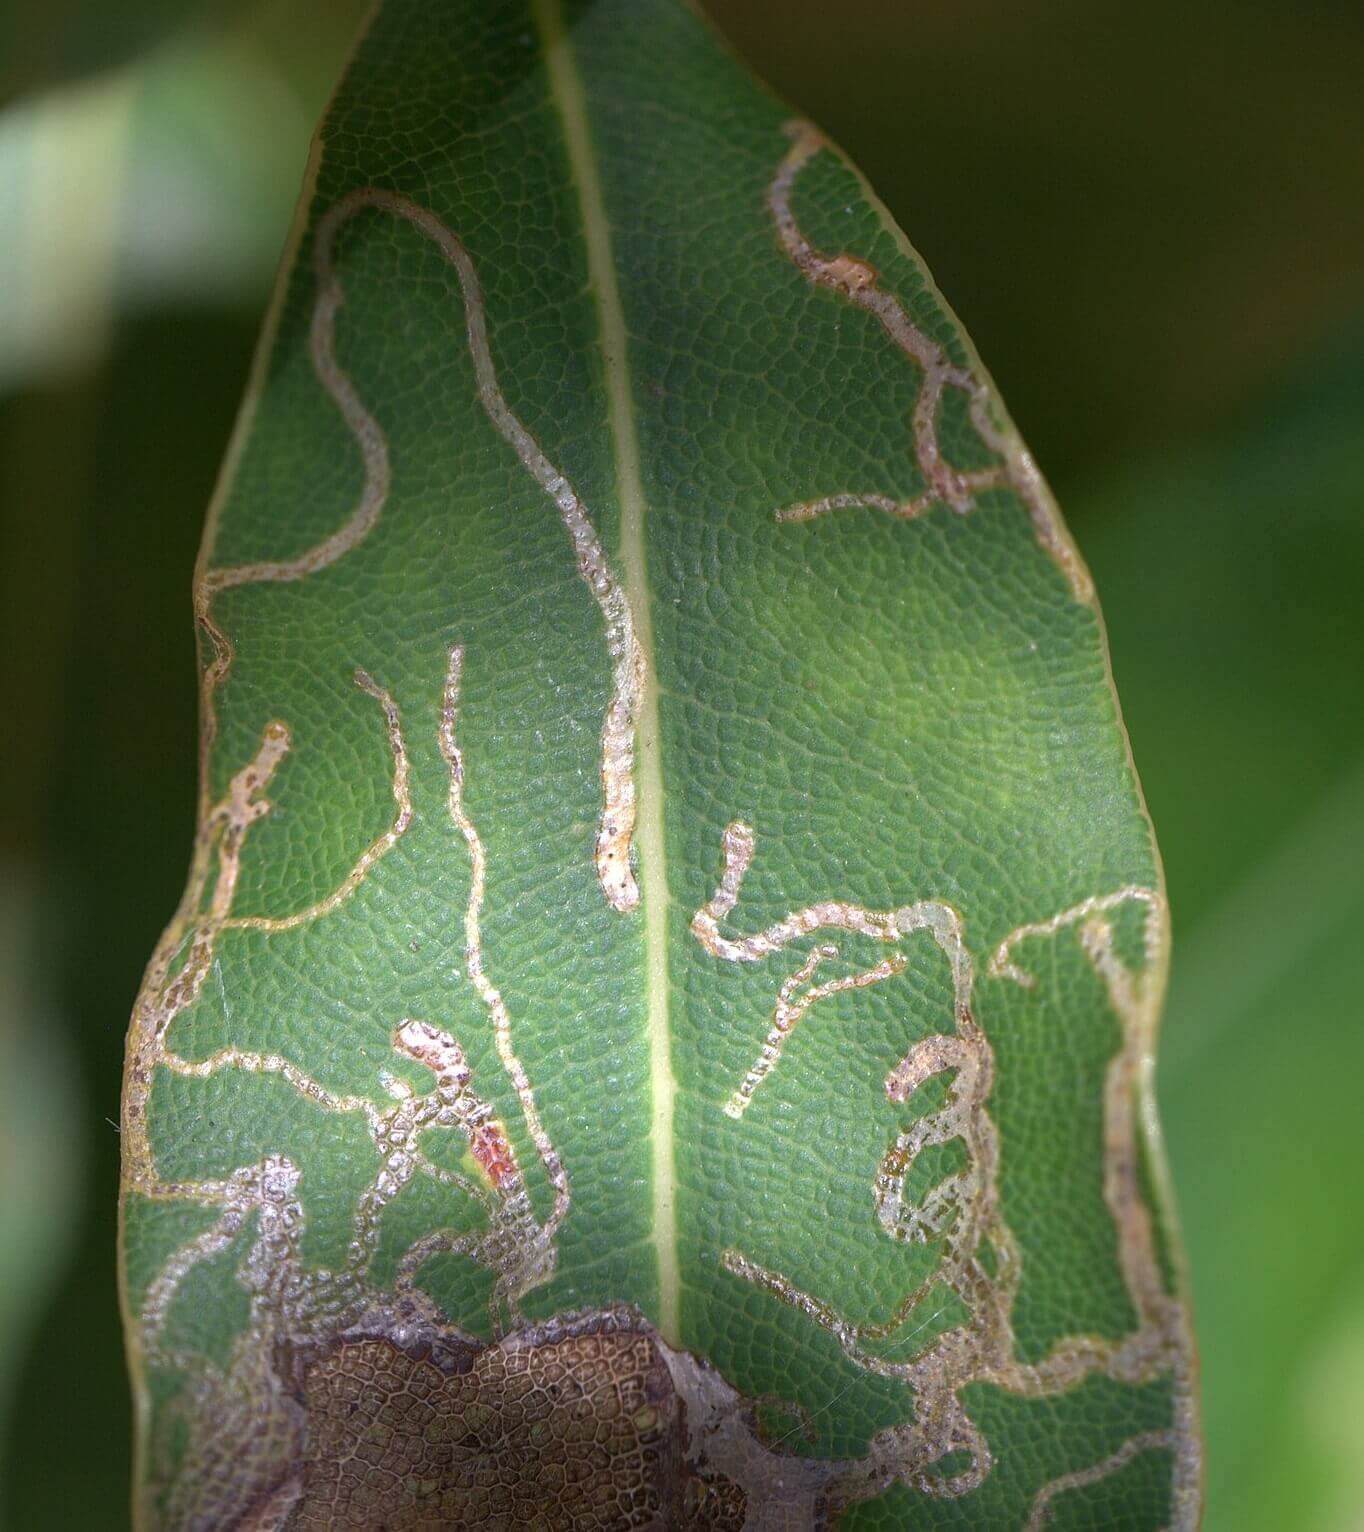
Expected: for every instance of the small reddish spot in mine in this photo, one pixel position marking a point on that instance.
(493, 1151)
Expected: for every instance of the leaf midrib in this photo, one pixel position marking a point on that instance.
(566, 89)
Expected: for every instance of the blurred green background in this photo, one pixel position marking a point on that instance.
(1149, 218)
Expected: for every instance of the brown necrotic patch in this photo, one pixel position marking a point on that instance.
(575, 1424)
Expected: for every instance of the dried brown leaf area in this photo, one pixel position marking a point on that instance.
(583, 1423)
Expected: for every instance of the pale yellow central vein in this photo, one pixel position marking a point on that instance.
(567, 88)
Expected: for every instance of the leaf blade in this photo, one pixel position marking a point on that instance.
(906, 715)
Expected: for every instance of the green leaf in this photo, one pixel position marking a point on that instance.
(659, 1024)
